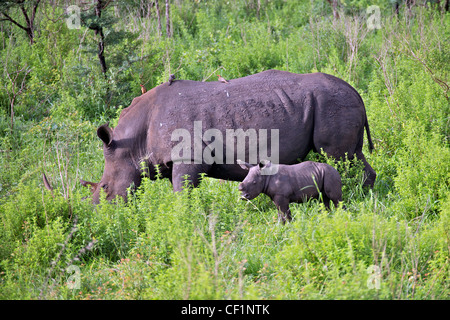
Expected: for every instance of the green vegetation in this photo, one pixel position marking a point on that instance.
(392, 242)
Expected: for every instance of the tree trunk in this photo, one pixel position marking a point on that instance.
(158, 14)
(168, 33)
(334, 4)
(98, 30)
(258, 8)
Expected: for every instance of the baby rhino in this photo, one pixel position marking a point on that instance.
(291, 183)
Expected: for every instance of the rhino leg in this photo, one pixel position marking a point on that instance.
(187, 174)
(326, 201)
(284, 213)
(370, 174)
(332, 186)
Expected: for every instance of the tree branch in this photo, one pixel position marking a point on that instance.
(33, 13)
(8, 18)
(27, 20)
(109, 1)
(29, 28)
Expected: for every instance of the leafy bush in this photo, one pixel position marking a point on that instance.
(423, 171)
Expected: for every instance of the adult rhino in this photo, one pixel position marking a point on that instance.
(310, 111)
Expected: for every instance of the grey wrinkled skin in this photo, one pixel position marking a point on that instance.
(292, 183)
(311, 111)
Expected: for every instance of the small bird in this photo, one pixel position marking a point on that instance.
(143, 90)
(171, 78)
(222, 79)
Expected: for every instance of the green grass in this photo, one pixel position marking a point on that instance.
(209, 244)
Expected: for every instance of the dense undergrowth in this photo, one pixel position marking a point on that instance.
(392, 242)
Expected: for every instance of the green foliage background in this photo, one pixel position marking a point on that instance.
(392, 242)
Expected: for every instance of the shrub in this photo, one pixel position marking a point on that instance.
(422, 167)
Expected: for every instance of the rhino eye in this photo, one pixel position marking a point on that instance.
(105, 186)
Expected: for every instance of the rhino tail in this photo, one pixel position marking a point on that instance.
(366, 125)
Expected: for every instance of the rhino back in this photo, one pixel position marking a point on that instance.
(268, 100)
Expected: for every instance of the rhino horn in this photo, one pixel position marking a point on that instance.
(92, 185)
(46, 183)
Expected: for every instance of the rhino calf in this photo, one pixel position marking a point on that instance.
(291, 183)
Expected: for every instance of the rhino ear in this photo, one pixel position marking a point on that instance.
(265, 164)
(244, 165)
(105, 133)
